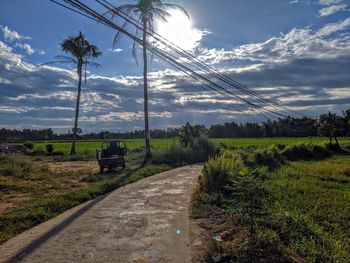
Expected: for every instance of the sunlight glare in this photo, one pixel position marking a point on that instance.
(178, 29)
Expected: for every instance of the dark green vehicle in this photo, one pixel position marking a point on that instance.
(111, 155)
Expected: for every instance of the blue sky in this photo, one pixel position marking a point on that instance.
(296, 52)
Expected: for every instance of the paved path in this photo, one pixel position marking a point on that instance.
(147, 221)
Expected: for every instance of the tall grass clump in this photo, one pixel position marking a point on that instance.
(216, 177)
(18, 167)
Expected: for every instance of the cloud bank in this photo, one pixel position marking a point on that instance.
(304, 69)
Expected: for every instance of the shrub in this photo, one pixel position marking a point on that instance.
(49, 148)
(248, 196)
(305, 152)
(16, 167)
(216, 174)
(199, 151)
(29, 145)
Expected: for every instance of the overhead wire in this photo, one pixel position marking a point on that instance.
(194, 59)
(92, 14)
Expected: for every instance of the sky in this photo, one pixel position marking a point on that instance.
(295, 52)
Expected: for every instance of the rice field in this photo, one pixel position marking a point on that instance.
(83, 146)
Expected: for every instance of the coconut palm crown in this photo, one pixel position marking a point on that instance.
(81, 51)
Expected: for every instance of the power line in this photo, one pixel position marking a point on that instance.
(193, 59)
(92, 14)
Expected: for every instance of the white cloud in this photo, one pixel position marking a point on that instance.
(330, 10)
(35, 97)
(297, 43)
(15, 39)
(26, 47)
(330, 2)
(5, 81)
(116, 50)
(11, 35)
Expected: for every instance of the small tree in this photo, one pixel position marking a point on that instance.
(346, 120)
(49, 148)
(328, 125)
(29, 145)
(248, 196)
(189, 133)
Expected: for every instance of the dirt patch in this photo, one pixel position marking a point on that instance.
(13, 149)
(217, 237)
(73, 166)
(9, 202)
(212, 224)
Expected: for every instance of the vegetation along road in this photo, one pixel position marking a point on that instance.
(147, 221)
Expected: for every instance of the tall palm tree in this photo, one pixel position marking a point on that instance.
(145, 12)
(81, 51)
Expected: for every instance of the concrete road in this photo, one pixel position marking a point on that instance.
(147, 221)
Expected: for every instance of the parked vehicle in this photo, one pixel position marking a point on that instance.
(111, 155)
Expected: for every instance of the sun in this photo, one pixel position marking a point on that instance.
(179, 30)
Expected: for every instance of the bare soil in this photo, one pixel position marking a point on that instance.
(147, 221)
(73, 166)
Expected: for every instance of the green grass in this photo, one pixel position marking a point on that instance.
(83, 146)
(311, 211)
(303, 209)
(247, 142)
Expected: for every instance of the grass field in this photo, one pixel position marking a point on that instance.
(287, 208)
(311, 210)
(246, 142)
(93, 145)
(161, 143)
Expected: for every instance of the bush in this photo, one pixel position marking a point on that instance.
(199, 151)
(29, 145)
(305, 152)
(20, 167)
(216, 174)
(49, 148)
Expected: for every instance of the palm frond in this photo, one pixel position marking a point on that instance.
(66, 58)
(134, 52)
(145, 12)
(119, 34)
(55, 62)
(94, 64)
(160, 14)
(113, 13)
(173, 6)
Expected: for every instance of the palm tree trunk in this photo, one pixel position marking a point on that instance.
(336, 140)
(75, 129)
(145, 92)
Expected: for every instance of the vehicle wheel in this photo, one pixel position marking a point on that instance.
(101, 169)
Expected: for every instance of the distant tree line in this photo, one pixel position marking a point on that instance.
(330, 125)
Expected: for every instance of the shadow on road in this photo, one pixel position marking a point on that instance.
(30, 248)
